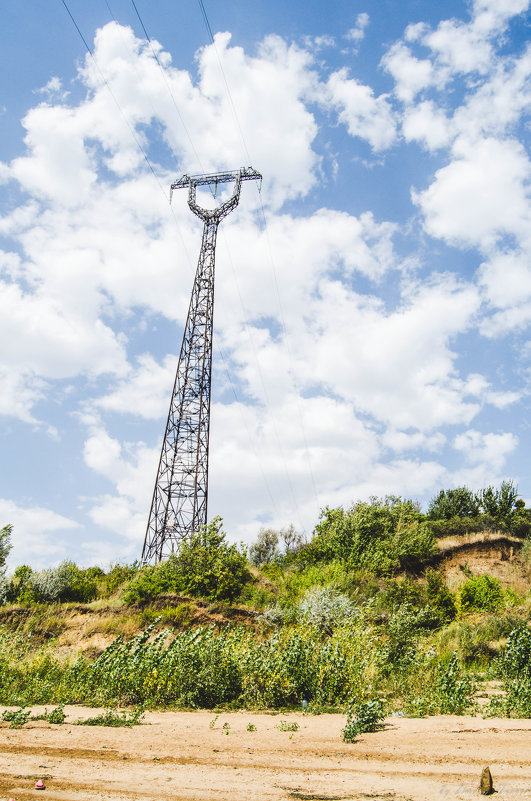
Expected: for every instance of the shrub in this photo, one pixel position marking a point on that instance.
(516, 659)
(481, 594)
(149, 582)
(324, 607)
(5, 587)
(118, 575)
(455, 689)
(439, 597)
(365, 716)
(382, 535)
(206, 566)
(48, 585)
(515, 669)
(78, 585)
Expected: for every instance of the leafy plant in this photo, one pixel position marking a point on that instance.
(57, 715)
(5, 543)
(113, 718)
(382, 535)
(440, 599)
(206, 566)
(324, 607)
(455, 690)
(16, 717)
(288, 725)
(480, 593)
(364, 716)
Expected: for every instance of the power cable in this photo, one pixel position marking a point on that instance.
(266, 228)
(229, 95)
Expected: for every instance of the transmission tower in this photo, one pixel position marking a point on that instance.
(179, 504)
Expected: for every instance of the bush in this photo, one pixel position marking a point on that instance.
(480, 594)
(206, 566)
(515, 669)
(324, 607)
(440, 599)
(5, 587)
(382, 535)
(5, 543)
(459, 526)
(118, 575)
(455, 689)
(365, 716)
(48, 585)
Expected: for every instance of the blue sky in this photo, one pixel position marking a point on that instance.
(373, 296)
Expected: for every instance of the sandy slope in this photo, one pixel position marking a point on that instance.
(179, 756)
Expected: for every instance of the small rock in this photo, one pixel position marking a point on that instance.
(485, 784)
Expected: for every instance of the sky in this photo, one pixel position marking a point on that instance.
(373, 292)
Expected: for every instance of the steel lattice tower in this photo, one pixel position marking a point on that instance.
(179, 504)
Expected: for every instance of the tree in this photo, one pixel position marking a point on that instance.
(502, 502)
(382, 535)
(292, 539)
(5, 544)
(264, 550)
(208, 566)
(459, 502)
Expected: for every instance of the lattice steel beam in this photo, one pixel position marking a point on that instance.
(180, 497)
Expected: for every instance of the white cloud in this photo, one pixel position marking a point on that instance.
(145, 391)
(357, 33)
(40, 536)
(428, 125)
(364, 115)
(506, 279)
(488, 450)
(130, 470)
(411, 74)
(480, 196)
(460, 46)
(397, 366)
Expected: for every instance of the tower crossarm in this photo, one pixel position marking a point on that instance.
(244, 174)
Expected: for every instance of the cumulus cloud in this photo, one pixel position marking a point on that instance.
(40, 535)
(490, 450)
(480, 196)
(364, 115)
(357, 33)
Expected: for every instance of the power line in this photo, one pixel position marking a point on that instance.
(272, 261)
(229, 95)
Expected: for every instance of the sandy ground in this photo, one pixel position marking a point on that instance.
(193, 756)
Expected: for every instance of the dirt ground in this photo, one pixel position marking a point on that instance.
(198, 756)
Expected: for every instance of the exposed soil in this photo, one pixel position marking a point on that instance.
(176, 756)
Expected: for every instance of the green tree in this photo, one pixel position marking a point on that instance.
(382, 535)
(264, 550)
(500, 503)
(5, 544)
(459, 502)
(209, 567)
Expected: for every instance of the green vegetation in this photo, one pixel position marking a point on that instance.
(359, 617)
(362, 717)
